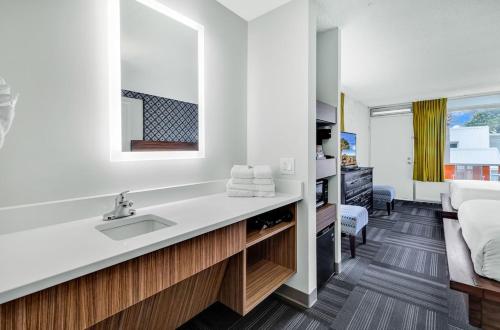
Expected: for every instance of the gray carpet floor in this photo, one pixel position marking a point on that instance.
(398, 280)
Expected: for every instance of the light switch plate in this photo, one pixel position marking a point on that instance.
(287, 166)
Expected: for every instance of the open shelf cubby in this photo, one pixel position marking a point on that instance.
(257, 236)
(263, 278)
(269, 264)
(268, 261)
(270, 257)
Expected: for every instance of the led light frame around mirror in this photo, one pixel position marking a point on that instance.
(115, 111)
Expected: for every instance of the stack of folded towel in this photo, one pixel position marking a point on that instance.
(248, 181)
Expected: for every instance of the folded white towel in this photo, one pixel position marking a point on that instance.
(4, 88)
(5, 99)
(263, 181)
(264, 194)
(240, 193)
(248, 193)
(262, 172)
(242, 172)
(252, 181)
(236, 186)
(265, 188)
(242, 181)
(250, 187)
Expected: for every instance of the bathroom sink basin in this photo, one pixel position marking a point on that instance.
(121, 229)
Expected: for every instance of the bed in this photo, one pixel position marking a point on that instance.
(464, 190)
(473, 252)
(447, 211)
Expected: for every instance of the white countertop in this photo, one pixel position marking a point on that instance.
(36, 259)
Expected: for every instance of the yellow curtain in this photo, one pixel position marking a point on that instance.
(429, 128)
(342, 101)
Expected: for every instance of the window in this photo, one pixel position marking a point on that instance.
(473, 151)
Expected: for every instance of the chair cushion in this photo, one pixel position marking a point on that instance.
(383, 193)
(354, 218)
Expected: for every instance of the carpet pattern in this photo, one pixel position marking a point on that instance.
(398, 280)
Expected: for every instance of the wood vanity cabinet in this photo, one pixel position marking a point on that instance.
(166, 288)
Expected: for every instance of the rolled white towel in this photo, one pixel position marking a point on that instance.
(242, 181)
(262, 181)
(240, 193)
(242, 172)
(262, 172)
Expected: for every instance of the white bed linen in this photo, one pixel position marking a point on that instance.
(464, 190)
(480, 222)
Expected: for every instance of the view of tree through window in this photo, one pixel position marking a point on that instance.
(490, 118)
(471, 118)
(474, 144)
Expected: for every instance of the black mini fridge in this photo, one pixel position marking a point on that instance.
(325, 259)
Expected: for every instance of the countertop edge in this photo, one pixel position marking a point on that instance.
(48, 282)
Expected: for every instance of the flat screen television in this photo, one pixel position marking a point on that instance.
(348, 149)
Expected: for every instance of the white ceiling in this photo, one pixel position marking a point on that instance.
(397, 51)
(251, 9)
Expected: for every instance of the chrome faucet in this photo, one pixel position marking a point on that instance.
(123, 208)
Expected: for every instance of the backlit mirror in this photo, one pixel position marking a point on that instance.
(158, 112)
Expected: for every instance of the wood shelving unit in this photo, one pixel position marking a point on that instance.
(257, 236)
(268, 261)
(263, 278)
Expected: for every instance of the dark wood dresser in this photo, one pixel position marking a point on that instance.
(357, 187)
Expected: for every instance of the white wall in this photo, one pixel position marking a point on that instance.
(430, 191)
(58, 147)
(159, 54)
(391, 146)
(357, 120)
(328, 76)
(327, 70)
(327, 82)
(470, 137)
(281, 112)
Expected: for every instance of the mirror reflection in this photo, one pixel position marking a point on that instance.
(159, 81)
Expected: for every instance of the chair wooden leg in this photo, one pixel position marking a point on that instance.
(392, 203)
(352, 241)
(388, 208)
(364, 235)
